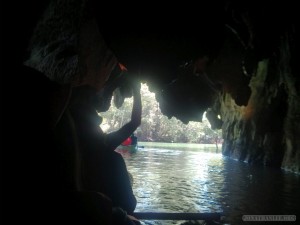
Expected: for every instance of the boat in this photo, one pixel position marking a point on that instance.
(127, 149)
(129, 146)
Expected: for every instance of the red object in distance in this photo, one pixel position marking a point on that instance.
(127, 141)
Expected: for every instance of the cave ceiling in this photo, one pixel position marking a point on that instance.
(188, 59)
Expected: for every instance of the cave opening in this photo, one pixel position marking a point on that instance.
(155, 126)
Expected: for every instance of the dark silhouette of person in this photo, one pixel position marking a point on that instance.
(40, 186)
(133, 139)
(103, 169)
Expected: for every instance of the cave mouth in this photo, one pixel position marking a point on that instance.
(155, 126)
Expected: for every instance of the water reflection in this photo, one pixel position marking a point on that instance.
(254, 190)
(193, 181)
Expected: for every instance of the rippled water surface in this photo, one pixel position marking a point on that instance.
(168, 180)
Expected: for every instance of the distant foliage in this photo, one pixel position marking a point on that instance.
(157, 127)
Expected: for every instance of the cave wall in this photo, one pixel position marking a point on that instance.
(266, 130)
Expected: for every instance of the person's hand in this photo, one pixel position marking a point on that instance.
(134, 220)
(121, 217)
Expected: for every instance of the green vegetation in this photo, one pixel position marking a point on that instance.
(156, 127)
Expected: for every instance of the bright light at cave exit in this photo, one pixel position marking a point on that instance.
(149, 100)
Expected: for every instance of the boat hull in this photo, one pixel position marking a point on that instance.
(127, 149)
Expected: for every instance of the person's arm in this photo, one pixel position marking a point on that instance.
(114, 139)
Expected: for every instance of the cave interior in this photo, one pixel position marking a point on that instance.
(230, 58)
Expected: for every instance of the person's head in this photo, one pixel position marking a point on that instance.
(83, 100)
(102, 100)
(83, 95)
(104, 96)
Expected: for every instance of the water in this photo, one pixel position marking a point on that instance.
(168, 180)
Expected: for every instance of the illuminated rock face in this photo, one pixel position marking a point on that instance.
(264, 131)
(239, 65)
